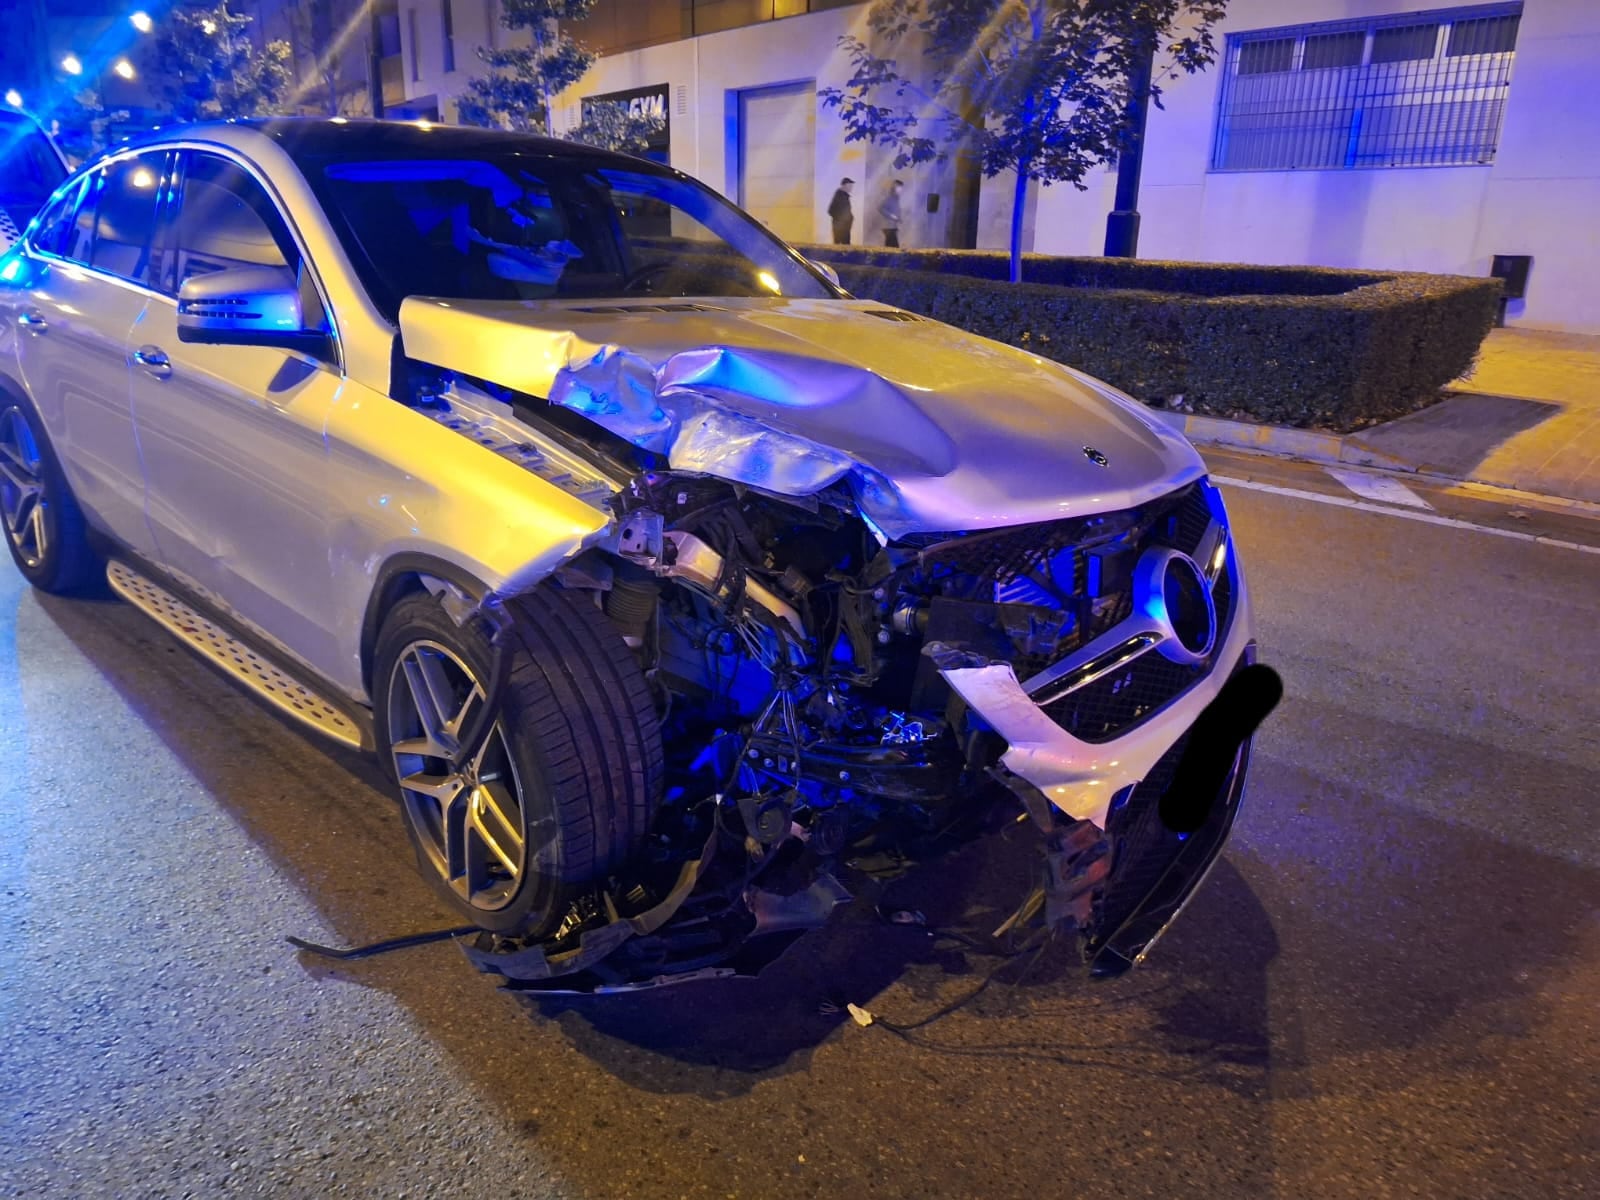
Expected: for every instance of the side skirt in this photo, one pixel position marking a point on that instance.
(209, 635)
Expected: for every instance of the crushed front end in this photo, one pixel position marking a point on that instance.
(829, 695)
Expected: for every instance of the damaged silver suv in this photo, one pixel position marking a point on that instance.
(665, 577)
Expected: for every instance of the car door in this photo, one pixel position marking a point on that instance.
(233, 435)
(91, 263)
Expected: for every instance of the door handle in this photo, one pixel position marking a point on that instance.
(33, 321)
(154, 360)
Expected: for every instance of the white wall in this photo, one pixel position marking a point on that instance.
(712, 69)
(1539, 197)
(704, 76)
(474, 22)
(1543, 194)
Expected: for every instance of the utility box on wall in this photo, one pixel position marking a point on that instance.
(1512, 270)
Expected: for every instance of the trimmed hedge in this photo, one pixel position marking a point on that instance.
(1192, 278)
(1301, 346)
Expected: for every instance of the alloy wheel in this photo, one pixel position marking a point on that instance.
(469, 815)
(23, 504)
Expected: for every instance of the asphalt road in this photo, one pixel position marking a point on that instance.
(1387, 988)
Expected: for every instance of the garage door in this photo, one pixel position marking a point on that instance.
(777, 158)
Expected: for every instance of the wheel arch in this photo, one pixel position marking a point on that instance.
(12, 389)
(403, 575)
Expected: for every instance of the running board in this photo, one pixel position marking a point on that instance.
(220, 647)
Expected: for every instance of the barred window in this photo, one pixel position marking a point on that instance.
(1423, 89)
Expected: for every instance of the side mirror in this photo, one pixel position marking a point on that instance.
(244, 306)
(826, 269)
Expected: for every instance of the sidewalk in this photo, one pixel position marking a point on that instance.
(1528, 418)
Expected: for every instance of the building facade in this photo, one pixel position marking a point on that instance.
(1351, 133)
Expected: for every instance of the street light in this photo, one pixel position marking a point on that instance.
(14, 98)
(123, 69)
(71, 65)
(141, 21)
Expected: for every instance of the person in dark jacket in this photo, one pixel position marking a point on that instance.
(840, 212)
(889, 210)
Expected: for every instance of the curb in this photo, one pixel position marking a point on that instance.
(1339, 450)
(1288, 443)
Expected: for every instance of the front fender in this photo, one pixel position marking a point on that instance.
(410, 494)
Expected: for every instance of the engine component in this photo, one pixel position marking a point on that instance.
(631, 604)
(767, 815)
(691, 559)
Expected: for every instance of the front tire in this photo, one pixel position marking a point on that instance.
(45, 530)
(568, 781)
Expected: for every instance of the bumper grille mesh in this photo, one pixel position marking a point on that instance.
(1112, 706)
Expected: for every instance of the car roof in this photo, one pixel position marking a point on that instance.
(317, 137)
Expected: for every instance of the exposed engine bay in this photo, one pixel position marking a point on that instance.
(802, 665)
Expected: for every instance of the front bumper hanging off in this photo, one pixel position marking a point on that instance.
(1120, 882)
(1118, 887)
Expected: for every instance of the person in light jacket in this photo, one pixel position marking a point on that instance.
(889, 210)
(840, 212)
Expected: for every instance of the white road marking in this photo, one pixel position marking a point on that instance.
(1406, 514)
(1379, 487)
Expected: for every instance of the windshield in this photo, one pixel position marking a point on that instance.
(30, 170)
(517, 225)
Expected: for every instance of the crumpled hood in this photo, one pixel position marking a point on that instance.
(935, 429)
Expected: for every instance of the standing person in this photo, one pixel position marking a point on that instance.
(889, 210)
(840, 212)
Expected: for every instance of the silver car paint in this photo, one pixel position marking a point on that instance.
(391, 481)
(239, 494)
(405, 484)
(72, 361)
(933, 428)
(984, 436)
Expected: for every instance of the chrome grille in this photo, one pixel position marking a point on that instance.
(1123, 700)
(1082, 569)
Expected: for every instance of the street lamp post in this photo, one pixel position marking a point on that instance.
(374, 58)
(1122, 223)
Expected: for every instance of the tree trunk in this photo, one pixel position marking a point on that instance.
(1019, 205)
(1030, 116)
(544, 82)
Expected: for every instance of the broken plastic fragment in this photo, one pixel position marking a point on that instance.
(952, 658)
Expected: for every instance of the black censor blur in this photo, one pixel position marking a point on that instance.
(1214, 741)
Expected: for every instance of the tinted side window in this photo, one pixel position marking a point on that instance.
(126, 194)
(55, 226)
(77, 240)
(226, 219)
